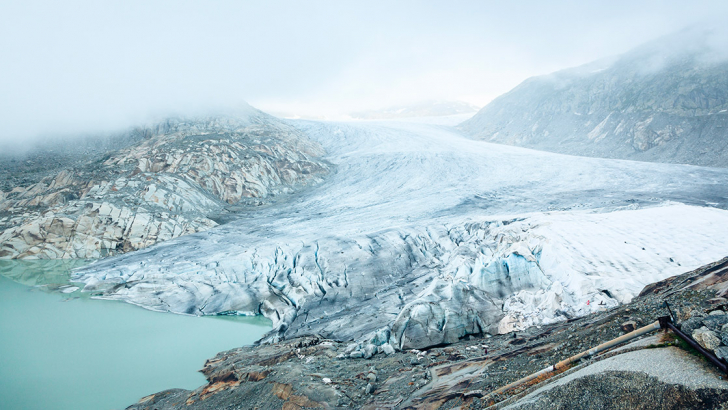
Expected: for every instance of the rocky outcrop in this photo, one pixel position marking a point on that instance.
(666, 101)
(612, 389)
(175, 181)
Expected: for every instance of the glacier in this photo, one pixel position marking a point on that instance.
(421, 236)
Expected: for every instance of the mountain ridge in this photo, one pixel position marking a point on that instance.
(650, 104)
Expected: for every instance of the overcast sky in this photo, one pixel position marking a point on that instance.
(84, 66)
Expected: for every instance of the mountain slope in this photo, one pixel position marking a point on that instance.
(173, 179)
(666, 101)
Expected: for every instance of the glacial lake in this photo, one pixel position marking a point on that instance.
(67, 351)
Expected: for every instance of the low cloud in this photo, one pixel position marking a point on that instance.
(84, 67)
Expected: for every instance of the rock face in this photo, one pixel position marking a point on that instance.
(624, 390)
(666, 101)
(173, 182)
(706, 338)
(52, 155)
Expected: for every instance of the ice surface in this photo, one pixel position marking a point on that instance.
(432, 236)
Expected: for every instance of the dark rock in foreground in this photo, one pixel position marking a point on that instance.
(625, 390)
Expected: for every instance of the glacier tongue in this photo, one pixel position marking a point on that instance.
(422, 237)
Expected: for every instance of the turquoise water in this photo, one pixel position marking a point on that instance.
(66, 351)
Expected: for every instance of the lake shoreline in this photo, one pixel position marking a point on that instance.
(71, 351)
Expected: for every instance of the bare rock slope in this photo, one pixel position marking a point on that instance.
(173, 181)
(666, 101)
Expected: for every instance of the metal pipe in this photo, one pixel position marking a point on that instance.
(722, 366)
(631, 335)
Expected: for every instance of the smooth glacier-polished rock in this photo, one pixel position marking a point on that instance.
(173, 182)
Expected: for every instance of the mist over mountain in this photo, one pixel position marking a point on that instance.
(666, 101)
